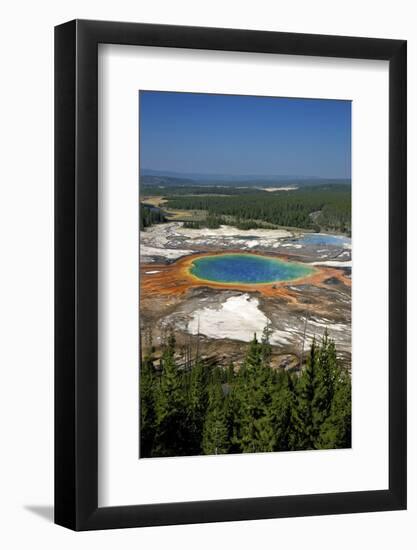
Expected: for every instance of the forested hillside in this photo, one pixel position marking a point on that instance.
(194, 409)
(322, 208)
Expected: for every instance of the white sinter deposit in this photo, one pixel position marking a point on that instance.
(238, 318)
(230, 231)
(169, 253)
(334, 263)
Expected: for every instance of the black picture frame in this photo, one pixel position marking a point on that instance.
(76, 272)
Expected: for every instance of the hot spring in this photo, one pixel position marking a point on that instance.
(247, 269)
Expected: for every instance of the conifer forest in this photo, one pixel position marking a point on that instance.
(191, 409)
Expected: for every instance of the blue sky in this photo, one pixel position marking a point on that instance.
(238, 135)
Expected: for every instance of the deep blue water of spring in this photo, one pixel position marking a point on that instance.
(247, 269)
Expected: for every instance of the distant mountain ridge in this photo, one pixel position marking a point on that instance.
(170, 178)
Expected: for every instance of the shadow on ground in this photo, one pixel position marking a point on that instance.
(45, 512)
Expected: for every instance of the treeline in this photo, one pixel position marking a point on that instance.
(214, 222)
(211, 221)
(175, 186)
(150, 215)
(284, 208)
(194, 409)
(176, 190)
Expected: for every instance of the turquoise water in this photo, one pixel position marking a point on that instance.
(247, 269)
(324, 239)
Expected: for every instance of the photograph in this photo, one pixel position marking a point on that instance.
(245, 274)
(207, 316)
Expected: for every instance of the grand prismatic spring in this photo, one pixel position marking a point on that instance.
(250, 269)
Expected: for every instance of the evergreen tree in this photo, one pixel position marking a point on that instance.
(197, 405)
(282, 412)
(322, 414)
(266, 349)
(326, 373)
(147, 406)
(304, 429)
(336, 430)
(215, 432)
(170, 408)
(254, 428)
(254, 354)
(230, 374)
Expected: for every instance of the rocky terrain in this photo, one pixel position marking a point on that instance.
(219, 321)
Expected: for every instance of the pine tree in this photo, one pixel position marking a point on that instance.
(326, 373)
(230, 374)
(283, 404)
(336, 430)
(147, 406)
(266, 349)
(254, 431)
(254, 354)
(197, 405)
(170, 408)
(215, 432)
(170, 343)
(322, 411)
(304, 432)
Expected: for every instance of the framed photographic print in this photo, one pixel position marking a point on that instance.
(230, 275)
